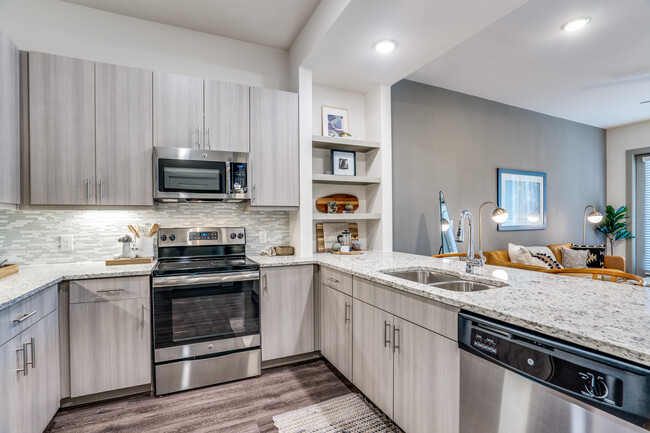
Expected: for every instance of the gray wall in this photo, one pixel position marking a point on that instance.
(449, 141)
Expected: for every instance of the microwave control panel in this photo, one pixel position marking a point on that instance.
(238, 178)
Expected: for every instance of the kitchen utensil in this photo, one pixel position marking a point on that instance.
(2, 263)
(345, 239)
(144, 247)
(341, 199)
(125, 243)
(134, 231)
(153, 230)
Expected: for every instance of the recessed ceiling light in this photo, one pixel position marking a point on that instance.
(576, 24)
(385, 46)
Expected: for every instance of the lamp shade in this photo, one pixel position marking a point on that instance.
(500, 215)
(595, 217)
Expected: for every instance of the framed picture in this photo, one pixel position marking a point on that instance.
(523, 195)
(335, 121)
(344, 162)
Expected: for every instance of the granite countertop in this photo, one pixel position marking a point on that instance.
(609, 317)
(32, 279)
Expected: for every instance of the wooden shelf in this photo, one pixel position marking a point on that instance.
(346, 216)
(321, 142)
(349, 180)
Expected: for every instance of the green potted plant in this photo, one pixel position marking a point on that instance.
(614, 226)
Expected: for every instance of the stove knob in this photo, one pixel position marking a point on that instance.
(596, 386)
(233, 235)
(172, 237)
(240, 236)
(163, 237)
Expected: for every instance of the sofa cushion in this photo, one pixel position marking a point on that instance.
(542, 250)
(574, 259)
(596, 258)
(519, 254)
(542, 259)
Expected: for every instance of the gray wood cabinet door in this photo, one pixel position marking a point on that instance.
(226, 116)
(14, 406)
(110, 342)
(274, 162)
(427, 380)
(287, 311)
(45, 392)
(372, 354)
(124, 113)
(177, 111)
(9, 122)
(61, 129)
(336, 329)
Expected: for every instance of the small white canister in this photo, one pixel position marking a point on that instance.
(145, 247)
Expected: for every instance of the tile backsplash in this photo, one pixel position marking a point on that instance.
(32, 236)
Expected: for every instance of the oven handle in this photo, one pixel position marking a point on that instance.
(190, 280)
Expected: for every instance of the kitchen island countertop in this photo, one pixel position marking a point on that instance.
(609, 317)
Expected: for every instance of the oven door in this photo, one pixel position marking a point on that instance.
(205, 315)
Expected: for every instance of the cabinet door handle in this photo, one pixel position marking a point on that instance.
(386, 333)
(253, 193)
(110, 291)
(24, 317)
(265, 286)
(142, 321)
(334, 280)
(207, 140)
(88, 190)
(24, 369)
(32, 344)
(348, 308)
(396, 339)
(198, 137)
(101, 189)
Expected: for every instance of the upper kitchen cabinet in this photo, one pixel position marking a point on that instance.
(226, 116)
(61, 129)
(124, 135)
(274, 160)
(9, 122)
(177, 111)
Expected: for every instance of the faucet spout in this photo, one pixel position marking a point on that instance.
(472, 262)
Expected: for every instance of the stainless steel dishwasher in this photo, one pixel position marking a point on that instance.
(517, 381)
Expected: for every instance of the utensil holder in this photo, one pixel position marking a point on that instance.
(145, 247)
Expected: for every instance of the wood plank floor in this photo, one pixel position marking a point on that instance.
(245, 406)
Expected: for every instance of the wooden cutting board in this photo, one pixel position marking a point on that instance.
(127, 261)
(7, 270)
(340, 199)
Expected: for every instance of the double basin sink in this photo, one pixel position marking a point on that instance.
(441, 280)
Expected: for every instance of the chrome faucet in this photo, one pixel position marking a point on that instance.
(472, 262)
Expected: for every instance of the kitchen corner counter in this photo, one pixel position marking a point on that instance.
(32, 279)
(608, 317)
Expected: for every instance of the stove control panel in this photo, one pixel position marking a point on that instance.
(201, 236)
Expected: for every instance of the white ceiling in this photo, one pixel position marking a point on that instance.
(271, 23)
(597, 76)
(345, 59)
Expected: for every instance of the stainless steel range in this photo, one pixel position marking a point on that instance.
(206, 311)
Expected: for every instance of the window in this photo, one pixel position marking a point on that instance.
(643, 215)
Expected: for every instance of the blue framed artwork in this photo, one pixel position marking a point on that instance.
(523, 195)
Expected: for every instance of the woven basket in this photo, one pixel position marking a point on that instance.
(284, 250)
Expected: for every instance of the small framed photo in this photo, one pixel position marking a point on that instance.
(344, 162)
(335, 121)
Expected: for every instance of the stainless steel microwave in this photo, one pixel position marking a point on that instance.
(199, 175)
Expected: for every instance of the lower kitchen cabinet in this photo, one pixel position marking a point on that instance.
(287, 311)
(110, 335)
(426, 380)
(372, 354)
(30, 381)
(336, 329)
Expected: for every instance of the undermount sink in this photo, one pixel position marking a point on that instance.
(423, 277)
(441, 280)
(463, 286)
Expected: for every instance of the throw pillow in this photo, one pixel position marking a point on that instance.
(519, 254)
(543, 250)
(574, 259)
(596, 257)
(541, 259)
